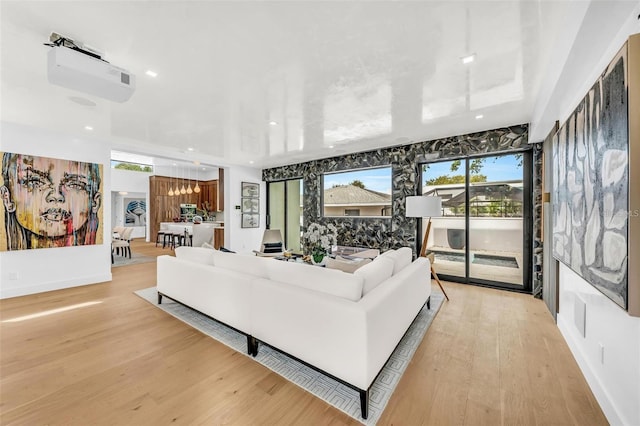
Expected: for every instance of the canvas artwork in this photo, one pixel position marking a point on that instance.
(49, 202)
(591, 185)
(135, 212)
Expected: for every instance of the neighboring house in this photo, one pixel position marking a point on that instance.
(494, 199)
(349, 200)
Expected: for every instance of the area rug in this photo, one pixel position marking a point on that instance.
(136, 258)
(333, 392)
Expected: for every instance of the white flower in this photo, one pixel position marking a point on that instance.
(321, 237)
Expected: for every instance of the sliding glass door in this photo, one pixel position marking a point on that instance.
(483, 235)
(284, 207)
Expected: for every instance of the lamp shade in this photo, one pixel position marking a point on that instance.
(421, 206)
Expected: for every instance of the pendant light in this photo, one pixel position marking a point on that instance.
(189, 190)
(170, 188)
(177, 190)
(183, 190)
(197, 188)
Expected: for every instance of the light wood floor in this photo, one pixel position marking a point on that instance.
(489, 358)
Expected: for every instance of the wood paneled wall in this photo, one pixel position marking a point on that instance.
(163, 207)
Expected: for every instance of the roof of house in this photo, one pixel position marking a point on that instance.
(349, 194)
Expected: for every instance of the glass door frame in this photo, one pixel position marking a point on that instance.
(285, 231)
(527, 221)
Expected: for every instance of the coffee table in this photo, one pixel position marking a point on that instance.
(356, 252)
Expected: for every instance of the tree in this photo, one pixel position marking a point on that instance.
(446, 180)
(357, 183)
(475, 166)
(133, 167)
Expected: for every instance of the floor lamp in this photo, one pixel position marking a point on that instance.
(425, 206)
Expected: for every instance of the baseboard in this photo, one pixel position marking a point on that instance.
(599, 391)
(54, 285)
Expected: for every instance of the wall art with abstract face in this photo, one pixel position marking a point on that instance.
(49, 202)
(591, 185)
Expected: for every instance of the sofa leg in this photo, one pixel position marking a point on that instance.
(159, 298)
(252, 346)
(429, 303)
(255, 347)
(364, 403)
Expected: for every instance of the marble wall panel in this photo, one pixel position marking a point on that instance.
(397, 231)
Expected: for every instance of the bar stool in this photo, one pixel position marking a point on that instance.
(160, 234)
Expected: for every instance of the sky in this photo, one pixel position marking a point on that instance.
(495, 168)
(374, 179)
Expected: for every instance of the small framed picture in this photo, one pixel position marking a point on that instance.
(250, 220)
(250, 190)
(250, 205)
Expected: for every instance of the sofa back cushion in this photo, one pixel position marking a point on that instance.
(330, 281)
(201, 255)
(401, 258)
(346, 265)
(252, 265)
(374, 273)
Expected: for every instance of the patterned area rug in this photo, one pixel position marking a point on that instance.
(135, 259)
(333, 392)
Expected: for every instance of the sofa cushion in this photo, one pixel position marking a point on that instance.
(330, 281)
(251, 265)
(404, 257)
(375, 273)
(401, 258)
(203, 256)
(346, 265)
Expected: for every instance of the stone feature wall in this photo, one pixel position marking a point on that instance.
(537, 250)
(591, 185)
(396, 231)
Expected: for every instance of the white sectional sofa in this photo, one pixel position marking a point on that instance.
(346, 325)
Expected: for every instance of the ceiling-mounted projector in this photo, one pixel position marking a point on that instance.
(75, 69)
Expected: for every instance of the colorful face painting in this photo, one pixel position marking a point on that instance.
(49, 202)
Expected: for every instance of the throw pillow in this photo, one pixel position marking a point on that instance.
(207, 245)
(375, 273)
(272, 247)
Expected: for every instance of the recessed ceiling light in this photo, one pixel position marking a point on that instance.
(479, 116)
(468, 59)
(88, 128)
(273, 123)
(151, 73)
(251, 162)
(174, 164)
(190, 149)
(123, 192)
(331, 146)
(204, 168)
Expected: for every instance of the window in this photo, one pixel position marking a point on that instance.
(124, 165)
(365, 192)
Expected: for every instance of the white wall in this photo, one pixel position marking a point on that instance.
(211, 173)
(616, 382)
(237, 238)
(486, 233)
(41, 270)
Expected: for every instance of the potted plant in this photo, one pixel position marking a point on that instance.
(320, 239)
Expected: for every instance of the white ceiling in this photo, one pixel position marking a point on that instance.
(334, 77)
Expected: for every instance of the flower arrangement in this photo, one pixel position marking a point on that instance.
(320, 239)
